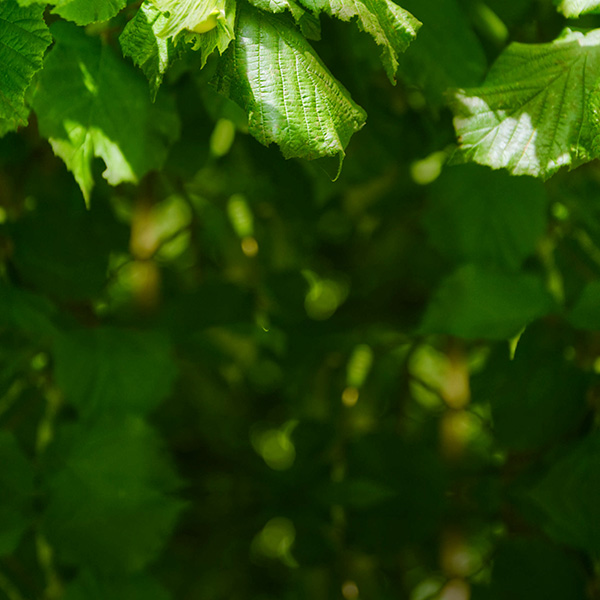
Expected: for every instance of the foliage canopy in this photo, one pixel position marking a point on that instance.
(367, 371)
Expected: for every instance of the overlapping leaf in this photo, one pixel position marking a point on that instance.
(109, 497)
(25, 38)
(141, 41)
(486, 217)
(392, 27)
(83, 12)
(537, 110)
(290, 96)
(569, 496)
(574, 8)
(110, 370)
(91, 104)
(446, 54)
(475, 302)
(308, 23)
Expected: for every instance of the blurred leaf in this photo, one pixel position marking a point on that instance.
(446, 53)
(27, 312)
(105, 370)
(64, 266)
(586, 312)
(569, 496)
(109, 503)
(477, 303)
(537, 397)
(16, 500)
(113, 117)
(486, 217)
(404, 479)
(89, 586)
(531, 569)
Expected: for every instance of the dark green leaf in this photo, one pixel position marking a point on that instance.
(16, 499)
(486, 217)
(475, 302)
(112, 117)
(105, 370)
(569, 496)
(109, 504)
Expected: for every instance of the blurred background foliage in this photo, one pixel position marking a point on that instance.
(241, 380)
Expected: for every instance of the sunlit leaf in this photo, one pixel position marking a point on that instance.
(537, 110)
(289, 95)
(24, 37)
(91, 104)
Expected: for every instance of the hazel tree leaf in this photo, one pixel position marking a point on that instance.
(308, 23)
(537, 111)
(108, 369)
(207, 25)
(91, 104)
(480, 303)
(25, 37)
(446, 54)
(110, 495)
(468, 200)
(274, 6)
(585, 314)
(84, 12)
(573, 8)
(289, 95)
(141, 42)
(569, 496)
(392, 27)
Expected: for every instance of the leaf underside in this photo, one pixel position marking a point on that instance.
(290, 96)
(537, 110)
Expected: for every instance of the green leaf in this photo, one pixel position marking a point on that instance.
(207, 25)
(586, 312)
(290, 96)
(142, 43)
(446, 53)
(16, 483)
(63, 266)
(309, 24)
(88, 586)
(474, 302)
(25, 37)
(392, 27)
(24, 311)
(573, 8)
(91, 104)
(538, 396)
(83, 12)
(569, 496)
(106, 369)
(535, 112)
(486, 217)
(274, 6)
(110, 506)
